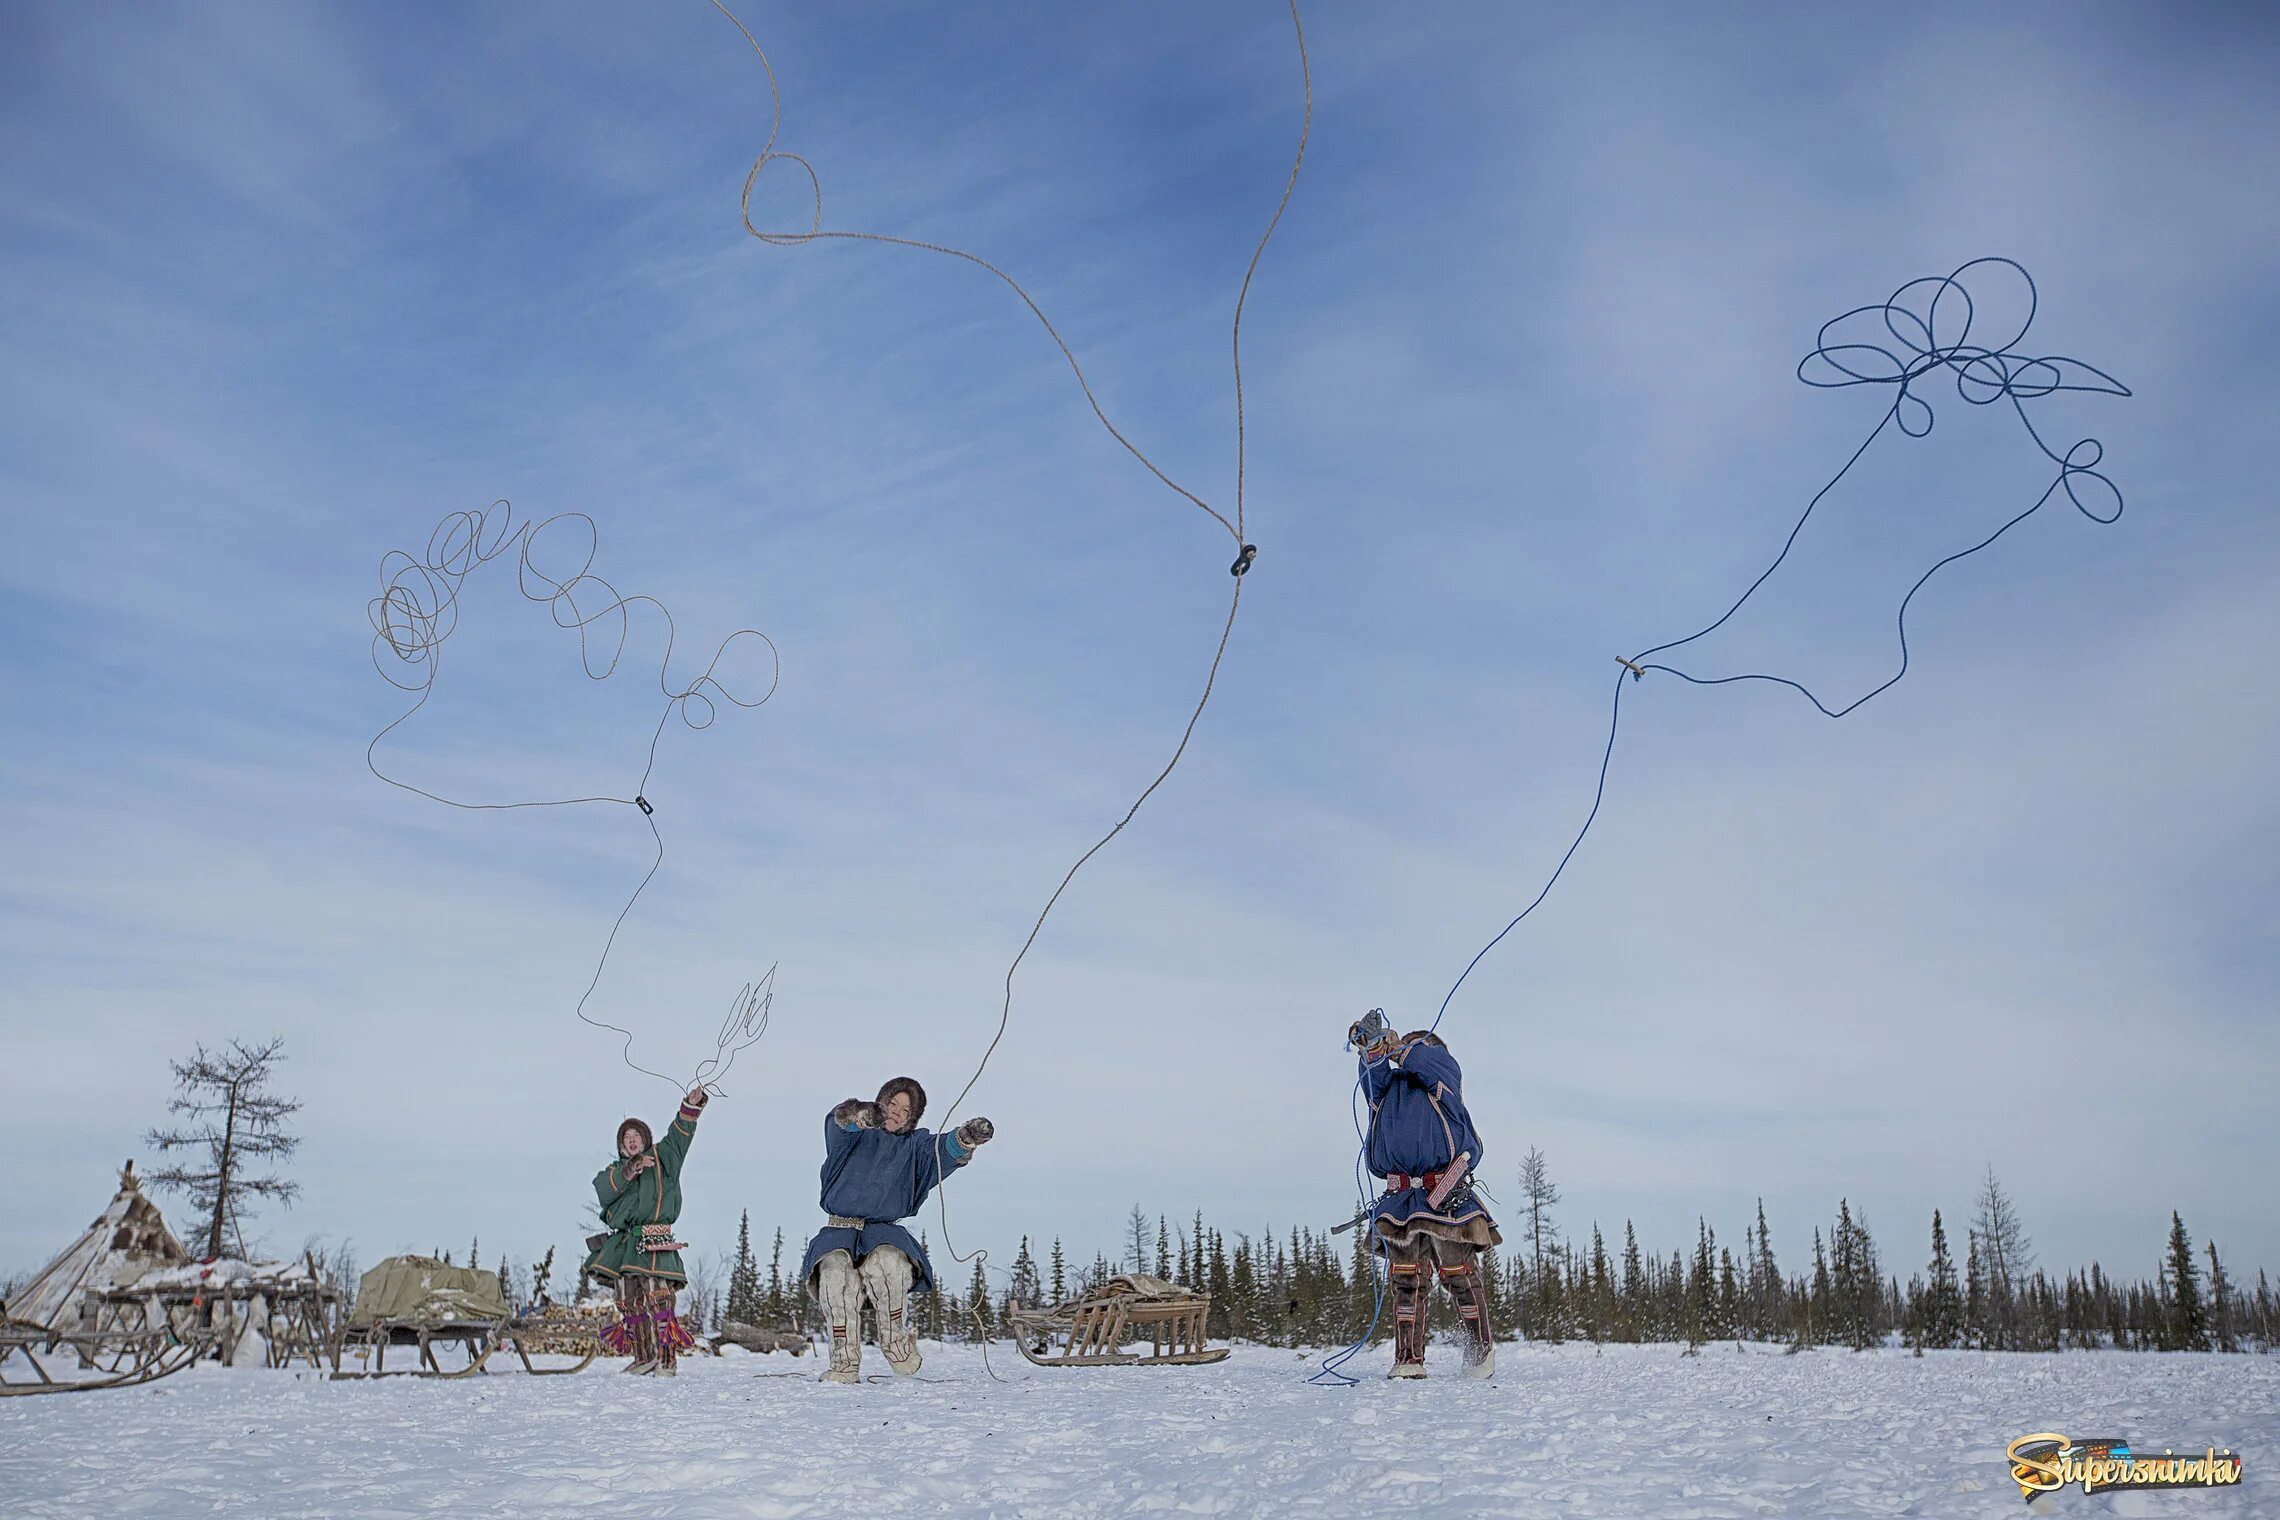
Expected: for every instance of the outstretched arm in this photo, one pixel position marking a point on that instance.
(1377, 1072)
(674, 1147)
(954, 1150)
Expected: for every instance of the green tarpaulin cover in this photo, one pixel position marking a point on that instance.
(422, 1288)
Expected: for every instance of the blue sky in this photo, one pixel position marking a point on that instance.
(284, 285)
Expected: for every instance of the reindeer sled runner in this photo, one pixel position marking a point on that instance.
(456, 1317)
(1096, 1329)
(37, 1359)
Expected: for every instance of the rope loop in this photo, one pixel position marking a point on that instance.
(1929, 325)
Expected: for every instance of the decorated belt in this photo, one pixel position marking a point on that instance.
(1401, 1182)
(659, 1237)
(846, 1222)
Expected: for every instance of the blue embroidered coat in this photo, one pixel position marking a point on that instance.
(1419, 1124)
(877, 1177)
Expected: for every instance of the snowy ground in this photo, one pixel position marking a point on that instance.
(1636, 1431)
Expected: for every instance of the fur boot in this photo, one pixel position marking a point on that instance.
(841, 1291)
(887, 1275)
(1462, 1279)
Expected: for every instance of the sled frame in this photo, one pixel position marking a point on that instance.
(1093, 1332)
(481, 1338)
(121, 1359)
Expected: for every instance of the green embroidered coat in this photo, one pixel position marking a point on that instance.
(652, 1198)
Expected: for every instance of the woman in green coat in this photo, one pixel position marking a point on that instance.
(640, 1197)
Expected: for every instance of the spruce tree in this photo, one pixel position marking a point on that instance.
(1765, 1278)
(929, 1307)
(1601, 1316)
(2188, 1320)
(2222, 1304)
(1940, 1323)
(1163, 1248)
(1857, 1287)
(1633, 1321)
(1363, 1290)
(1026, 1287)
(1217, 1286)
(1060, 1274)
(1701, 1290)
(1974, 1295)
(978, 1305)
(1242, 1282)
(1800, 1317)
(1817, 1305)
(744, 1304)
(776, 1306)
(1297, 1291)
(1844, 1279)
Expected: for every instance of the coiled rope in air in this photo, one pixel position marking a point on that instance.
(413, 619)
(1245, 552)
(1923, 331)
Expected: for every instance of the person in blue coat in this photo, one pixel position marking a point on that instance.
(878, 1168)
(1423, 1145)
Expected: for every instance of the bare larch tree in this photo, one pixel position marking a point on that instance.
(2010, 1259)
(232, 1126)
(1539, 1193)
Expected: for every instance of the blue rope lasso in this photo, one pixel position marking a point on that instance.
(1910, 347)
(1329, 1375)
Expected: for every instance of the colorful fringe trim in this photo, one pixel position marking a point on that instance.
(618, 1338)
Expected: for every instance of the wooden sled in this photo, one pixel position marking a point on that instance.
(478, 1340)
(112, 1359)
(1094, 1330)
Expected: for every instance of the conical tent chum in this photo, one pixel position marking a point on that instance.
(129, 1240)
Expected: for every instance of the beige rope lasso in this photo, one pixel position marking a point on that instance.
(816, 232)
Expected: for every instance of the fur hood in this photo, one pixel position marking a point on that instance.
(648, 1141)
(903, 1085)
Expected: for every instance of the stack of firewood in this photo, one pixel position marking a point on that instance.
(565, 1329)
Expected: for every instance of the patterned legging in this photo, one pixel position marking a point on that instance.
(653, 1332)
(1411, 1265)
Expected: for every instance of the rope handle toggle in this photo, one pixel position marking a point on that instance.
(1243, 560)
